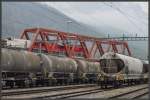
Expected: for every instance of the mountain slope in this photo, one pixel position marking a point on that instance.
(18, 16)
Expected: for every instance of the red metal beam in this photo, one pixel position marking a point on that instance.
(72, 49)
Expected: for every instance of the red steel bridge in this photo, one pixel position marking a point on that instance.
(72, 44)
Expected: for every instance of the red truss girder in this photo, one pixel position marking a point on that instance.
(41, 39)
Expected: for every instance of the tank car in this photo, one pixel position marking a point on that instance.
(118, 69)
(60, 70)
(87, 71)
(16, 65)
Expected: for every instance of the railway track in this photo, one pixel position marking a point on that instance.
(45, 92)
(72, 92)
(42, 89)
(112, 93)
(137, 93)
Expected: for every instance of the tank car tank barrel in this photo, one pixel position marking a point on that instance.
(20, 61)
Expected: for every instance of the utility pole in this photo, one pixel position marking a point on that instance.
(108, 36)
(68, 22)
(149, 59)
(0, 69)
(123, 45)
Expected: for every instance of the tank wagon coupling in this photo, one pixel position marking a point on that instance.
(118, 69)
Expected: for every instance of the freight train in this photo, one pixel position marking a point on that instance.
(27, 69)
(22, 68)
(118, 69)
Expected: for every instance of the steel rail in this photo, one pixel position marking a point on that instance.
(42, 89)
(127, 93)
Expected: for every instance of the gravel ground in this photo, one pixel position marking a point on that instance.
(111, 93)
(144, 97)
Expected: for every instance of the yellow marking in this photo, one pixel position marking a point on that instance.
(120, 77)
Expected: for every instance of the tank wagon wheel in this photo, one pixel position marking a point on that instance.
(91, 81)
(98, 83)
(132, 82)
(70, 81)
(122, 83)
(86, 81)
(115, 84)
(119, 83)
(27, 82)
(78, 81)
(136, 81)
(146, 80)
(50, 82)
(32, 83)
(142, 81)
(101, 83)
(63, 82)
(60, 82)
(104, 84)
(83, 81)
(128, 82)
(11, 84)
(44, 82)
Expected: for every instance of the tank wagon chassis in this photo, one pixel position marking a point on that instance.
(104, 82)
(25, 81)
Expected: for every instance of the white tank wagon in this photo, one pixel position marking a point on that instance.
(88, 71)
(60, 69)
(118, 69)
(16, 65)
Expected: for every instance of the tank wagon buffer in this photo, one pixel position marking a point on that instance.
(23, 69)
(118, 69)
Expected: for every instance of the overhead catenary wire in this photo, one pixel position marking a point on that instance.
(127, 17)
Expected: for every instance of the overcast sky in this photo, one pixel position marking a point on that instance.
(144, 5)
(126, 16)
